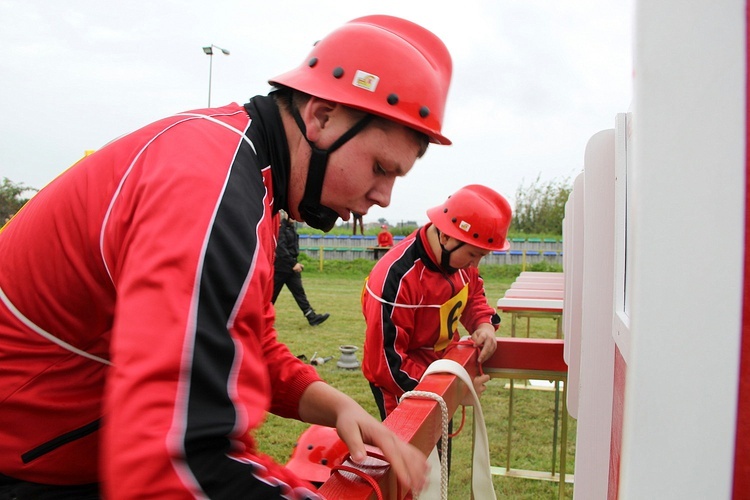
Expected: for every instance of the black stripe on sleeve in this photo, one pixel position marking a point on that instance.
(391, 285)
(211, 416)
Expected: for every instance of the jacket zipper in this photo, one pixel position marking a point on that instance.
(60, 440)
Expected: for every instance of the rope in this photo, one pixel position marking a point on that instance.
(443, 437)
(466, 341)
(444, 434)
(481, 480)
(464, 281)
(445, 420)
(363, 475)
(463, 419)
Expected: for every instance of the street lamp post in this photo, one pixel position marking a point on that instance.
(210, 53)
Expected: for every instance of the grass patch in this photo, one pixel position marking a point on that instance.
(337, 290)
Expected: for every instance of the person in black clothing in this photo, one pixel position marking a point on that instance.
(287, 271)
(357, 219)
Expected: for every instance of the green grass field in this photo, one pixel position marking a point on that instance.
(337, 290)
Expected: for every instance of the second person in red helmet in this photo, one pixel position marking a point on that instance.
(421, 289)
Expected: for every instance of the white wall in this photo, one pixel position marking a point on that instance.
(596, 342)
(688, 193)
(572, 308)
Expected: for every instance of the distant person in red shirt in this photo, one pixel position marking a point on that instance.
(385, 238)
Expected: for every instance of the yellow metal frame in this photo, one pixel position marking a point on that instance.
(516, 315)
(560, 476)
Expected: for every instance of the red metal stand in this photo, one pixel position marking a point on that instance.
(418, 421)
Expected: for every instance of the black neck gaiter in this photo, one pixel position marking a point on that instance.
(310, 209)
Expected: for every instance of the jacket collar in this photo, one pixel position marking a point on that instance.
(266, 131)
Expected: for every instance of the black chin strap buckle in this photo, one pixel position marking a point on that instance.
(445, 255)
(310, 209)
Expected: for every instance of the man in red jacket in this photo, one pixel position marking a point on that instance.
(137, 338)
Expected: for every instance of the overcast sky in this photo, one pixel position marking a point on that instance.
(533, 79)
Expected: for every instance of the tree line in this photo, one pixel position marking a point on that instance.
(12, 198)
(540, 206)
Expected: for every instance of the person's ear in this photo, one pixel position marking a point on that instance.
(317, 116)
(442, 238)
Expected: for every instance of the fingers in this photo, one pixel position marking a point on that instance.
(322, 404)
(489, 345)
(415, 468)
(350, 434)
(407, 462)
(480, 383)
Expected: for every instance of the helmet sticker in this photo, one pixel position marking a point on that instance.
(365, 80)
(464, 226)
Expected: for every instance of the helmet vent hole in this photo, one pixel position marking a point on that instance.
(338, 72)
(424, 111)
(310, 447)
(476, 235)
(490, 240)
(453, 220)
(324, 461)
(392, 99)
(445, 210)
(312, 62)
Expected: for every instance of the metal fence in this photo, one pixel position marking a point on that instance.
(350, 247)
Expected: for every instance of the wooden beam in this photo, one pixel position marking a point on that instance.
(517, 353)
(417, 421)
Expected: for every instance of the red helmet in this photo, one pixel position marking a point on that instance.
(317, 451)
(476, 215)
(384, 65)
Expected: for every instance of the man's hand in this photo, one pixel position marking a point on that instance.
(409, 464)
(322, 404)
(484, 336)
(298, 268)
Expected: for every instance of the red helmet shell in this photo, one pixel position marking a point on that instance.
(384, 65)
(476, 215)
(317, 451)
